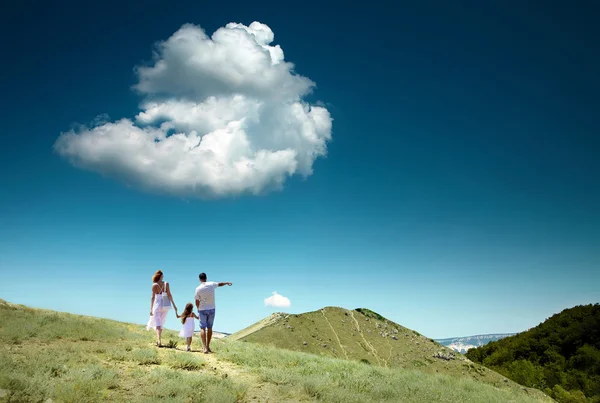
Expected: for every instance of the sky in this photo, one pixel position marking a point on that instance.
(436, 163)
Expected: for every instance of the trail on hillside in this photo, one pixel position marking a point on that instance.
(391, 348)
(366, 342)
(335, 333)
(258, 391)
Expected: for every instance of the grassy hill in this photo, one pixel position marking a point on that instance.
(365, 336)
(560, 356)
(70, 358)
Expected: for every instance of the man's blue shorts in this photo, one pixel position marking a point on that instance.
(207, 317)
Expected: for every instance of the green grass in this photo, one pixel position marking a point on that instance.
(71, 358)
(334, 380)
(188, 362)
(364, 336)
(146, 356)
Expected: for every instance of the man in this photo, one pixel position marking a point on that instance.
(205, 303)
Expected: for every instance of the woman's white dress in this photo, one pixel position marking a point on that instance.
(159, 315)
(188, 327)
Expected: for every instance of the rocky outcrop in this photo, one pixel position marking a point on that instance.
(442, 356)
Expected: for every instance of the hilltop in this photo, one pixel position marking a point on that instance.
(560, 356)
(71, 358)
(365, 336)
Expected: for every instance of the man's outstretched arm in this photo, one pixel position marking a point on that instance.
(227, 283)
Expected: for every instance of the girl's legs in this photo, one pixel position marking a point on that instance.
(189, 343)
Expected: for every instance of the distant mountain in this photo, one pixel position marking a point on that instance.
(219, 335)
(561, 356)
(215, 334)
(365, 336)
(464, 344)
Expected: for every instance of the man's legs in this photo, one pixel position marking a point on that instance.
(209, 324)
(203, 337)
(203, 315)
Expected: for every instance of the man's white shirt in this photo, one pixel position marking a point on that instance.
(205, 293)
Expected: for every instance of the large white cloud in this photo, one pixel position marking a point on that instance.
(222, 115)
(277, 301)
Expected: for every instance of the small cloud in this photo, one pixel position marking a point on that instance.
(277, 301)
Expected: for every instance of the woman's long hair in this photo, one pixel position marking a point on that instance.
(156, 276)
(187, 312)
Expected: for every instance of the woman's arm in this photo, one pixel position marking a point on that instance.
(170, 297)
(154, 289)
(151, 302)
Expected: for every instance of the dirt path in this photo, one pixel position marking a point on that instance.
(335, 333)
(365, 340)
(391, 348)
(258, 391)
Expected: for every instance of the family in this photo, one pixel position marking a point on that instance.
(162, 302)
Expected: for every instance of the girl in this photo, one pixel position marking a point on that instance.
(187, 318)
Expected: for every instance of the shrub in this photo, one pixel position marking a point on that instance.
(188, 362)
(146, 356)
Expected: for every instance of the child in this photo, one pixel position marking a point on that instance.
(187, 318)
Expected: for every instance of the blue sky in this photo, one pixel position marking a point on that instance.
(459, 194)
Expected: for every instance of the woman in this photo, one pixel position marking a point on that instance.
(158, 311)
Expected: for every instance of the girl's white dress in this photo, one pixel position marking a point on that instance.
(159, 315)
(188, 327)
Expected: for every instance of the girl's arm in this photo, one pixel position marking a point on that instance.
(170, 297)
(195, 316)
